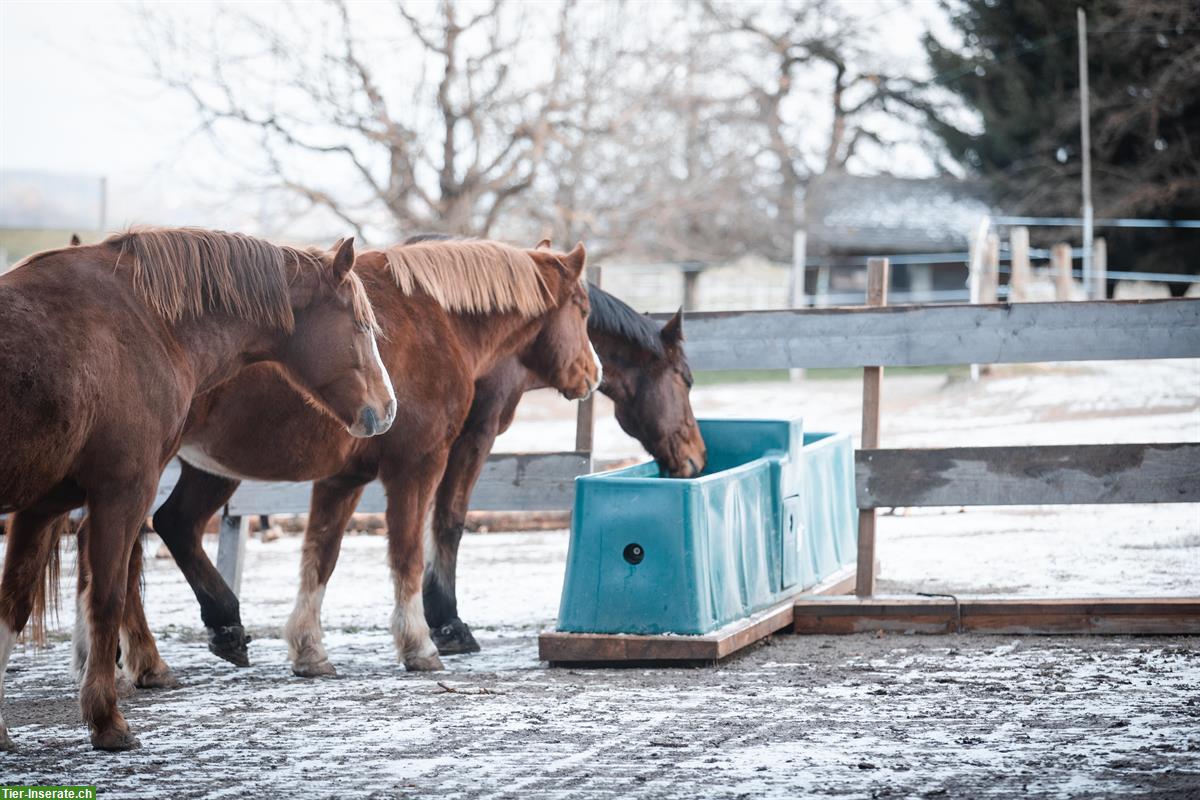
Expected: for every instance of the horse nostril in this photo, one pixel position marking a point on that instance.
(369, 421)
(695, 469)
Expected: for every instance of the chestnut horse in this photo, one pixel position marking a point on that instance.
(449, 311)
(646, 375)
(103, 349)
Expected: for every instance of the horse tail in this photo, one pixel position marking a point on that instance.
(45, 593)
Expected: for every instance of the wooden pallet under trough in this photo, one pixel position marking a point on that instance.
(607, 649)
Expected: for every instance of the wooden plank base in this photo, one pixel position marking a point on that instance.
(609, 649)
(1147, 616)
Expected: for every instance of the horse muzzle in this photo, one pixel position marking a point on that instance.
(371, 424)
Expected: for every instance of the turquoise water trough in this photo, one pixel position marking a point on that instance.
(772, 514)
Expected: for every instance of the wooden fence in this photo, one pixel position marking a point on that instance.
(880, 337)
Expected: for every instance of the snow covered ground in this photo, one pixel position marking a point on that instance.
(830, 716)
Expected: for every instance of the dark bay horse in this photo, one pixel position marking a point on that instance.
(646, 376)
(449, 312)
(102, 350)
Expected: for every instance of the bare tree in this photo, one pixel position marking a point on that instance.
(808, 54)
(431, 121)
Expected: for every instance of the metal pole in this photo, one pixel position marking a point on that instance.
(1086, 144)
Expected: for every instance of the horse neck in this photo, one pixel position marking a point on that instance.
(622, 360)
(487, 339)
(217, 346)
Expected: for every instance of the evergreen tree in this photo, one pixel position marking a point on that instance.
(1017, 67)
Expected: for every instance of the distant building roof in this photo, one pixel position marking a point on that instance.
(882, 214)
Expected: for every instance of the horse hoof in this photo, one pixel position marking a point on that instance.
(125, 687)
(157, 679)
(423, 664)
(454, 638)
(6, 744)
(229, 642)
(114, 740)
(319, 669)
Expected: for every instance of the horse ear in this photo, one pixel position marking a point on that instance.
(544, 244)
(672, 333)
(343, 258)
(75, 240)
(575, 260)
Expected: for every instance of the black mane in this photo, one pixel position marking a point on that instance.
(609, 314)
(614, 317)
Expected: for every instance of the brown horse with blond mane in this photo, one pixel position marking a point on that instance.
(449, 311)
(102, 350)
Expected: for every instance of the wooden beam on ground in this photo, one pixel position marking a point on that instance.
(1148, 616)
(581, 649)
(1046, 475)
(907, 336)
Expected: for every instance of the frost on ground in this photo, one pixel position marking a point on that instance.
(902, 716)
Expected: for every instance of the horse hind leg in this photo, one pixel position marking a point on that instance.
(139, 652)
(30, 542)
(81, 633)
(467, 458)
(180, 522)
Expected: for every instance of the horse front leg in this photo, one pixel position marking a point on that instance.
(410, 489)
(467, 458)
(333, 503)
(180, 523)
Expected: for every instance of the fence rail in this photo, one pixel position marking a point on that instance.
(905, 336)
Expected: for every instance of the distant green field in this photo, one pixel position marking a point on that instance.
(768, 375)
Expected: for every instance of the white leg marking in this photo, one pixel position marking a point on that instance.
(81, 637)
(7, 637)
(303, 629)
(409, 628)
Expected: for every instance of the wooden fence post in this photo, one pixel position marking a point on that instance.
(1099, 287)
(691, 286)
(1018, 278)
(231, 549)
(1060, 261)
(990, 278)
(877, 285)
(585, 414)
(797, 297)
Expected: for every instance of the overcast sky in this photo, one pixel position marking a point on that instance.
(75, 98)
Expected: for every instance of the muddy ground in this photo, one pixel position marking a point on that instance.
(860, 716)
(896, 716)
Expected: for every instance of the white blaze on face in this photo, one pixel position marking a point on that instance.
(599, 366)
(387, 379)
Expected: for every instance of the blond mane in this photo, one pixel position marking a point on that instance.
(180, 272)
(471, 277)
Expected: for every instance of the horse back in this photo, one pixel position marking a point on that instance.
(80, 358)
